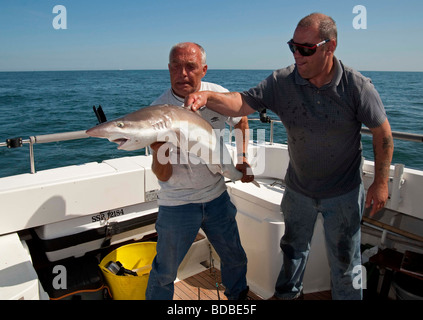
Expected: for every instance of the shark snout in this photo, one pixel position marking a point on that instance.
(94, 132)
(102, 130)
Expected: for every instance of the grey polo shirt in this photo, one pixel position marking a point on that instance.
(323, 126)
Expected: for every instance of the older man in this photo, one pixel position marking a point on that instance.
(322, 104)
(191, 196)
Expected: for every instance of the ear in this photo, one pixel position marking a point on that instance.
(205, 67)
(331, 45)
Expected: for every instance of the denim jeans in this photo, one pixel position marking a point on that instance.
(177, 227)
(342, 216)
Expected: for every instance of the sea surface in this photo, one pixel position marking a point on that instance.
(38, 103)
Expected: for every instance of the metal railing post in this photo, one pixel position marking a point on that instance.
(31, 153)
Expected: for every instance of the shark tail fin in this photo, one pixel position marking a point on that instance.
(254, 182)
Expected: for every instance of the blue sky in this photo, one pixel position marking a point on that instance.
(237, 34)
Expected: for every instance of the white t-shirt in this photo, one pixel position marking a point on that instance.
(193, 183)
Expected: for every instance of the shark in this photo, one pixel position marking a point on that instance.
(178, 126)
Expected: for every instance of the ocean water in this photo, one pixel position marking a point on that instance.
(37, 103)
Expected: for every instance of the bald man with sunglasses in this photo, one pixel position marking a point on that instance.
(322, 104)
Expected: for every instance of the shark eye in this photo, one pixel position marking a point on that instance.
(120, 124)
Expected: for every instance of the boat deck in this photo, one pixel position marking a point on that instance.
(203, 286)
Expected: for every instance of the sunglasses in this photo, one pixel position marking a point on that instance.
(305, 49)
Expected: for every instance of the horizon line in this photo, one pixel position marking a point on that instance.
(165, 69)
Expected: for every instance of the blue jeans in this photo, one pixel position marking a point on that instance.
(342, 216)
(177, 227)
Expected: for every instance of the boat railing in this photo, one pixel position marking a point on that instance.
(75, 135)
(364, 130)
(46, 138)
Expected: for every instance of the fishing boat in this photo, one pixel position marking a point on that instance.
(72, 213)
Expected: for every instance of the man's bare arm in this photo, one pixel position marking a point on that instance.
(229, 104)
(383, 148)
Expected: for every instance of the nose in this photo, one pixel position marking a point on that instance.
(184, 72)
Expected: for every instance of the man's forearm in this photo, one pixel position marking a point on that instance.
(383, 147)
(229, 103)
(242, 136)
(162, 169)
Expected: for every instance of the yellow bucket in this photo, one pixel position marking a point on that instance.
(137, 257)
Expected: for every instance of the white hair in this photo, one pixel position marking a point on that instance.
(182, 45)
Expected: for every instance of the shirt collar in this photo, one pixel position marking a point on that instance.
(335, 80)
(180, 99)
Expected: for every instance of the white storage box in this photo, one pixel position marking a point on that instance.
(75, 237)
(261, 227)
(18, 279)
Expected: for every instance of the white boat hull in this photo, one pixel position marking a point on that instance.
(65, 194)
